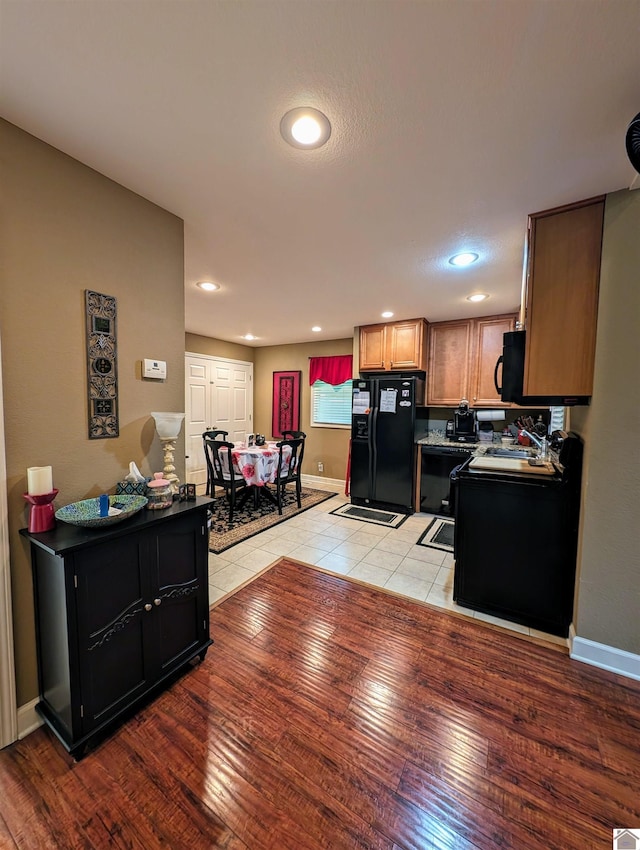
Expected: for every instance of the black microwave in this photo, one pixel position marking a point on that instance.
(512, 360)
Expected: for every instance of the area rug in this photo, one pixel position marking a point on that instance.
(438, 535)
(249, 521)
(372, 515)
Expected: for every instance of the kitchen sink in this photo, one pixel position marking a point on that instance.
(498, 451)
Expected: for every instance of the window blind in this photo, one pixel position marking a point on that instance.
(331, 405)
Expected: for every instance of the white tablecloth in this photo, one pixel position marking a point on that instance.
(258, 465)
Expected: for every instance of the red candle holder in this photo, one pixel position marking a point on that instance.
(42, 516)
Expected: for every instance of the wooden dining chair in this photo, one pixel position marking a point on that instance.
(218, 454)
(291, 472)
(211, 435)
(294, 435)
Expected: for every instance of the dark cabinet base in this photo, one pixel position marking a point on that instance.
(120, 613)
(515, 550)
(80, 747)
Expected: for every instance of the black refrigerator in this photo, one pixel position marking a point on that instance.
(383, 443)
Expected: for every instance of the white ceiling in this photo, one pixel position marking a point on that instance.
(451, 121)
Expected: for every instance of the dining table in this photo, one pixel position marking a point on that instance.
(258, 465)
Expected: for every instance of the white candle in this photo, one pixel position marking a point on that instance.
(39, 480)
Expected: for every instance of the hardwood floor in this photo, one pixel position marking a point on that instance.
(329, 714)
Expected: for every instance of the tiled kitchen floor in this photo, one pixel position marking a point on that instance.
(382, 557)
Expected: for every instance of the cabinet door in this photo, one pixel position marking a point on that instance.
(450, 357)
(405, 342)
(372, 348)
(113, 627)
(488, 346)
(180, 594)
(562, 300)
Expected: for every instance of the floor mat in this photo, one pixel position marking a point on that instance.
(372, 515)
(438, 535)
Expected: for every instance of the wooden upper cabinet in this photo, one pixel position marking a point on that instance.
(488, 336)
(450, 352)
(462, 360)
(372, 347)
(562, 299)
(396, 346)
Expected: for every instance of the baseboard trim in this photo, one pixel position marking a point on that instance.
(606, 657)
(28, 718)
(321, 483)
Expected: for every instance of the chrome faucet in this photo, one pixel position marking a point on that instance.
(540, 442)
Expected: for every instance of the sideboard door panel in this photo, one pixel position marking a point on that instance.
(180, 594)
(112, 627)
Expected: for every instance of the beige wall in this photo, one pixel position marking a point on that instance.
(218, 348)
(67, 228)
(608, 593)
(329, 445)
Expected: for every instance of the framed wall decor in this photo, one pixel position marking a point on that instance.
(102, 365)
(286, 402)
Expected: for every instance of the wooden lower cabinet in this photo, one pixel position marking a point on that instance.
(462, 360)
(118, 612)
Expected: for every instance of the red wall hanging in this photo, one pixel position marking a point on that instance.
(286, 402)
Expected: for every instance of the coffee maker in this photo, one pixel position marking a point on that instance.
(462, 428)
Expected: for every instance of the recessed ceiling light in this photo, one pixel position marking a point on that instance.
(305, 127)
(464, 259)
(208, 286)
(249, 337)
(316, 329)
(480, 296)
(387, 314)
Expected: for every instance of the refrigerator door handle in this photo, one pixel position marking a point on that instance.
(373, 454)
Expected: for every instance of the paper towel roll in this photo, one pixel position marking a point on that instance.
(490, 415)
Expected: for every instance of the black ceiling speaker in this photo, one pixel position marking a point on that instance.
(633, 142)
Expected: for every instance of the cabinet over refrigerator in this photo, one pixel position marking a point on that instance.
(382, 442)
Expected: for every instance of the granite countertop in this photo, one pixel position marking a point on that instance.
(437, 440)
(478, 448)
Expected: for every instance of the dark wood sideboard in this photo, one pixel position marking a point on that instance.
(119, 610)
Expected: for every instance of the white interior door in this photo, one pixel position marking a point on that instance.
(218, 394)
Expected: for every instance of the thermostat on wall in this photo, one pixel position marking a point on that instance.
(154, 369)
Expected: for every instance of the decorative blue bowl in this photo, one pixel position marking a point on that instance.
(87, 512)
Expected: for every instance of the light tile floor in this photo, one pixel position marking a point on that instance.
(383, 557)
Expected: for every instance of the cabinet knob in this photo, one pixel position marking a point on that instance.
(148, 606)
(156, 602)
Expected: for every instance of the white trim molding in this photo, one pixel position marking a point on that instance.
(320, 483)
(28, 718)
(8, 703)
(607, 657)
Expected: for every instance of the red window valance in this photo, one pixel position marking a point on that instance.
(332, 370)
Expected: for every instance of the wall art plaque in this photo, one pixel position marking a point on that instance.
(102, 365)
(286, 402)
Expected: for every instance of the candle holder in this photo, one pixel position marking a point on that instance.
(42, 516)
(168, 427)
